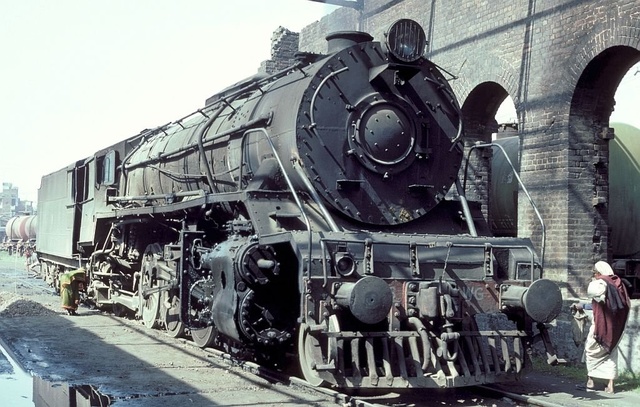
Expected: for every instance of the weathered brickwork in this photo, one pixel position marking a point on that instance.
(284, 45)
(312, 37)
(560, 61)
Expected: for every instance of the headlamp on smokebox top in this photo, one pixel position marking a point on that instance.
(406, 40)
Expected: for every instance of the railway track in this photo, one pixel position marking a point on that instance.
(519, 399)
(471, 396)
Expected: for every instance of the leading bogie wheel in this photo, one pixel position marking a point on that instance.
(308, 346)
(204, 337)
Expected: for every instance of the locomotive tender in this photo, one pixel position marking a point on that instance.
(306, 213)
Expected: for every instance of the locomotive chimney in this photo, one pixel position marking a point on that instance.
(340, 40)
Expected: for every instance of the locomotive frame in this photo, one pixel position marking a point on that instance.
(307, 213)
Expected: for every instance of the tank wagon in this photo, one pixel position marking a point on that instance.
(23, 227)
(306, 213)
(21, 232)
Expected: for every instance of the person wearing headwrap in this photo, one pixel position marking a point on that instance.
(610, 303)
(71, 283)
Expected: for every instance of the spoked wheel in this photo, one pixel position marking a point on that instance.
(204, 337)
(149, 305)
(171, 317)
(308, 346)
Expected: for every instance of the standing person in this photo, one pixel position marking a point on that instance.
(71, 283)
(610, 303)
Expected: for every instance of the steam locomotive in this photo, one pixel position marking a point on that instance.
(311, 213)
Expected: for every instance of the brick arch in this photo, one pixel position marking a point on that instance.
(627, 36)
(598, 69)
(490, 69)
(482, 95)
(595, 87)
(479, 109)
(596, 74)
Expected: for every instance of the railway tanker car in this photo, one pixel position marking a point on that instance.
(20, 233)
(307, 213)
(624, 204)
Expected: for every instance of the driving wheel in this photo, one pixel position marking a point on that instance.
(149, 304)
(204, 337)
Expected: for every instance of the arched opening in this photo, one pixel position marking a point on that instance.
(591, 139)
(490, 116)
(506, 116)
(479, 110)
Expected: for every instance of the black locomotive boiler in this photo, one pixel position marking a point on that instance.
(308, 213)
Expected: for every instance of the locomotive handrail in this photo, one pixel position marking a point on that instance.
(316, 198)
(314, 195)
(208, 140)
(524, 189)
(465, 209)
(142, 135)
(298, 169)
(203, 157)
(289, 184)
(174, 195)
(248, 86)
(315, 94)
(459, 135)
(452, 97)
